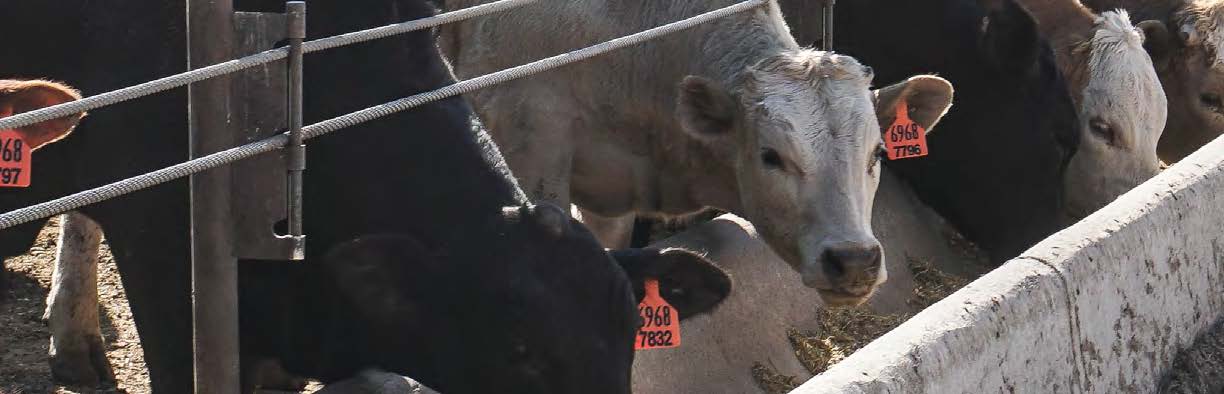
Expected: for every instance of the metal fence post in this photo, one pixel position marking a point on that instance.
(214, 270)
(295, 32)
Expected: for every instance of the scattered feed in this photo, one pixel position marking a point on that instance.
(841, 332)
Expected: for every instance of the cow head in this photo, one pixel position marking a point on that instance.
(1122, 110)
(532, 305)
(803, 139)
(17, 96)
(1188, 57)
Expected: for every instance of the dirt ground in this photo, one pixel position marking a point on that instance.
(24, 336)
(1199, 368)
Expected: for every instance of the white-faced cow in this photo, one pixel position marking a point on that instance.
(1190, 64)
(997, 166)
(1122, 108)
(411, 270)
(731, 114)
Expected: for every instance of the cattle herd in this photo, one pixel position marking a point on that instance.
(442, 243)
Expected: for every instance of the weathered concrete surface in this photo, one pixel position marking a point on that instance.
(1101, 307)
(718, 350)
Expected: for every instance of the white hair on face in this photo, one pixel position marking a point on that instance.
(1116, 29)
(1121, 67)
(1122, 90)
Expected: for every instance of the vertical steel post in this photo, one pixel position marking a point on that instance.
(295, 32)
(827, 37)
(214, 270)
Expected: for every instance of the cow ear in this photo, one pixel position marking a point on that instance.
(1010, 39)
(704, 108)
(927, 97)
(690, 283)
(24, 96)
(1158, 43)
(374, 272)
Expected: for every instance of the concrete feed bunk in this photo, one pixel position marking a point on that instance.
(1103, 306)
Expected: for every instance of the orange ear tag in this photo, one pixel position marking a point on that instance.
(14, 160)
(661, 323)
(905, 139)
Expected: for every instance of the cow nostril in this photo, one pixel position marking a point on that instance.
(855, 259)
(834, 266)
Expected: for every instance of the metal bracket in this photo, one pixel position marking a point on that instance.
(259, 189)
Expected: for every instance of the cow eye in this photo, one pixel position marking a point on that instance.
(771, 159)
(1212, 102)
(875, 158)
(1104, 131)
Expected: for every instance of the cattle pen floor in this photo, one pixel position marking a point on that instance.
(24, 336)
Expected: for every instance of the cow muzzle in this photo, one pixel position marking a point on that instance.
(846, 273)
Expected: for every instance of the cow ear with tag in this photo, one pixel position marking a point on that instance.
(927, 98)
(705, 109)
(24, 96)
(372, 271)
(690, 283)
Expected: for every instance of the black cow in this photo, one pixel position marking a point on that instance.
(996, 165)
(425, 258)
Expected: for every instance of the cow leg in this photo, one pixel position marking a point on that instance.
(16, 241)
(78, 352)
(612, 232)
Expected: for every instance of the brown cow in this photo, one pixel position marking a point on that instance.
(1122, 108)
(1190, 66)
(78, 351)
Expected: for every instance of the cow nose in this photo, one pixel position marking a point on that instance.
(853, 262)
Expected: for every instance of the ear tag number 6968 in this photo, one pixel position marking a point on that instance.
(905, 139)
(660, 322)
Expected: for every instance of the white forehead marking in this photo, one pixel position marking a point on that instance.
(822, 98)
(1122, 79)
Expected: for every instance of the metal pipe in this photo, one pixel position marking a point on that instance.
(827, 38)
(296, 33)
(214, 270)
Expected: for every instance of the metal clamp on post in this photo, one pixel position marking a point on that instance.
(296, 33)
(265, 225)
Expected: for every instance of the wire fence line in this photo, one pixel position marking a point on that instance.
(101, 193)
(236, 65)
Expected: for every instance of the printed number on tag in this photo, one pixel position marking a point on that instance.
(660, 322)
(904, 139)
(14, 160)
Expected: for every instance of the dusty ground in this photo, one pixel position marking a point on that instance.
(1200, 368)
(24, 336)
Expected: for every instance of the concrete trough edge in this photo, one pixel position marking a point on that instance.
(1102, 306)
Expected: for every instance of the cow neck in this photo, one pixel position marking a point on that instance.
(691, 174)
(751, 38)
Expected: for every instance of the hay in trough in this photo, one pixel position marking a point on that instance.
(772, 381)
(841, 332)
(931, 284)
